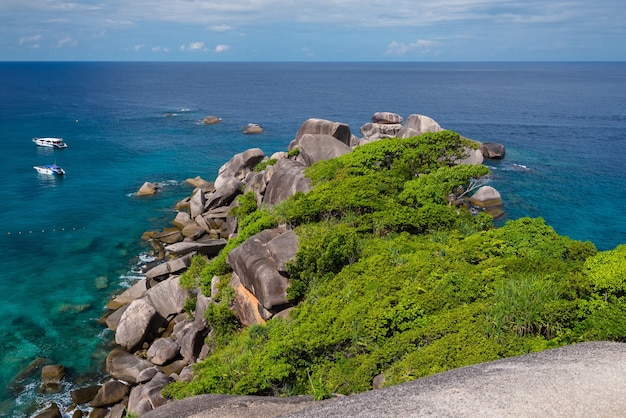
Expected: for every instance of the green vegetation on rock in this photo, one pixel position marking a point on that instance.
(390, 279)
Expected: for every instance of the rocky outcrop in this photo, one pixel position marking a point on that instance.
(383, 125)
(122, 365)
(492, 150)
(51, 411)
(239, 166)
(147, 189)
(255, 262)
(417, 125)
(474, 157)
(341, 131)
(110, 393)
(486, 196)
(146, 397)
(51, 377)
(288, 179)
(209, 247)
(253, 128)
(84, 395)
(138, 323)
(488, 199)
(376, 131)
(246, 305)
(387, 118)
(164, 270)
(199, 183)
(314, 148)
(211, 120)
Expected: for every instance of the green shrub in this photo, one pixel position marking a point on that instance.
(403, 158)
(192, 277)
(262, 165)
(324, 249)
(246, 204)
(607, 272)
(434, 187)
(521, 307)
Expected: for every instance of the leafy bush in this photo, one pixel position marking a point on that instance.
(521, 307)
(191, 278)
(401, 158)
(262, 165)
(324, 249)
(434, 187)
(607, 272)
(246, 204)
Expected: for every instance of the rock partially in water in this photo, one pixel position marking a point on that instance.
(122, 365)
(211, 120)
(84, 395)
(147, 189)
(492, 150)
(253, 128)
(51, 377)
(110, 393)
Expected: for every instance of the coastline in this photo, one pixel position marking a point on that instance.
(156, 341)
(540, 177)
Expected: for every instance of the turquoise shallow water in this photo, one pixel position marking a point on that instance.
(68, 243)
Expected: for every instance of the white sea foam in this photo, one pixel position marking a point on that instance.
(521, 167)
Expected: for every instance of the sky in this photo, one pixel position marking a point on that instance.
(312, 30)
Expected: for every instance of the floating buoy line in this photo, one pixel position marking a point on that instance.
(43, 231)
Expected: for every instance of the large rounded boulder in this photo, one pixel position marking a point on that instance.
(239, 166)
(492, 150)
(416, 125)
(386, 118)
(287, 179)
(314, 148)
(339, 130)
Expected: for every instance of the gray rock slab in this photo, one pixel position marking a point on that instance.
(231, 406)
(582, 380)
(318, 147)
(210, 248)
(288, 178)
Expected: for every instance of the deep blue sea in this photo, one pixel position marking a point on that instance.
(67, 244)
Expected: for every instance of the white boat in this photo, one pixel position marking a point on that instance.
(50, 142)
(49, 169)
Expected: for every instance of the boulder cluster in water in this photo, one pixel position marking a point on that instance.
(156, 342)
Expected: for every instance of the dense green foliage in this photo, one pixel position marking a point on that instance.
(389, 279)
(262, 165)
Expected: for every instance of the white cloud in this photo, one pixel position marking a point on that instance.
(138, 47)
(67, 42)
(220, 28)
(422, 46)
(57, 20)
(194, 46)
(124, 22)
(222, 48)
(263, 27)
(29, 39)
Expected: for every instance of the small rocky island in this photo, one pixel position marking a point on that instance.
(157, 340)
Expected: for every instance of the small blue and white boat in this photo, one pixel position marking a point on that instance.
(50, 142)
(50, 169)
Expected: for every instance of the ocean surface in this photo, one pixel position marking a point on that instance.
(68, 244)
